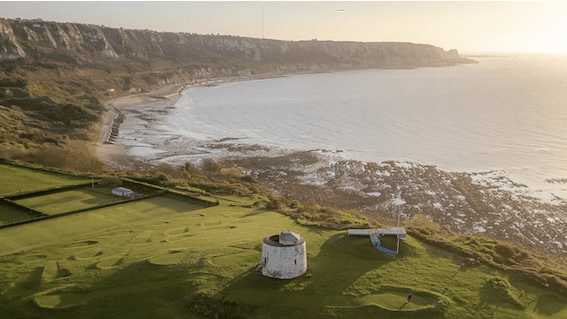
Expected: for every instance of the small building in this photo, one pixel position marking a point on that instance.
(284, 255)
(375, 235)
(124, 192)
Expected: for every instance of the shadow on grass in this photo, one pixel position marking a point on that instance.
(462, 268)
(502, 296)
(549, 305)
(257, 211)
(341, 261)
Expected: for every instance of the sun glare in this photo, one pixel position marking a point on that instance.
(549, 43)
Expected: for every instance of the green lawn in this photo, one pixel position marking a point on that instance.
(67, 227)
(67, 201)
(149, 259)
(9, 214)
(16, 179)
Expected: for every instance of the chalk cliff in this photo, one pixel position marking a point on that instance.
(57, 72)
(194, 55)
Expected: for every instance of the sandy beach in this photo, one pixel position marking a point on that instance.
(108, 151)
(115, 154)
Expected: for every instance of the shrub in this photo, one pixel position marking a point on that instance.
(421, 220)
(231, 172)
(112, 181)
(190, 168)
(208, 165)
(170, 170)
(76, 156)
(274, 203)
(505, 251)
(248, 179)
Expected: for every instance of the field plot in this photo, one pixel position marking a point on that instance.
(17, 179)
(46, 231)
(9, 214)
(161, 258)
(70, 200)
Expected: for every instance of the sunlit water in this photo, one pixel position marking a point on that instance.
(505, 113)
(501, 113)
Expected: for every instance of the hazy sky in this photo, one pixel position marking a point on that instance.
(465, 26)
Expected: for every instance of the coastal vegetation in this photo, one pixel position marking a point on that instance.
(182, 253)
(168, 259)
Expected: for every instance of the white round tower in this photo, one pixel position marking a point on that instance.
(284, 255)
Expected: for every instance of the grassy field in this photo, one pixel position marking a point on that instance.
(164, 257)
(46, 231)
(67, 201)
(161, 258)
(20, 179)
(9, 214)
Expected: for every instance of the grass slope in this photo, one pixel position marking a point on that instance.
(162, 259)
(17, 178)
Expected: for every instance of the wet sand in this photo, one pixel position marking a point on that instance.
(110, 152)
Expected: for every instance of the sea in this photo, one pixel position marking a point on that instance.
(506, 114)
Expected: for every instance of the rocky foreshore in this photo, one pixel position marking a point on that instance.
(467, 203)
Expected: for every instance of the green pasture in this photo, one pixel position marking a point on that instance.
(162, 258)
(15, 179)
(71, 200)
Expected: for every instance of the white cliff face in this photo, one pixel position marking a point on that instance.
(9, 47)
(206, 55)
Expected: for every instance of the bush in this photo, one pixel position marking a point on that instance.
(190, 168)
(231, 172)
(208, 165)
(274, 203)
(112, 181)
(421, 220)
(170, 170)
(248, 179)
(76, 156)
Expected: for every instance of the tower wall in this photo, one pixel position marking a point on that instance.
(283, 262)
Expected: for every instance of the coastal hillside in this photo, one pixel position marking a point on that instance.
(53, 76)
(87, 45)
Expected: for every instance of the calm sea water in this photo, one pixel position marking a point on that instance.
(505, 113)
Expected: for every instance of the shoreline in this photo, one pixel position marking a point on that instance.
(112, 154)
(107, 151)
(491, 203)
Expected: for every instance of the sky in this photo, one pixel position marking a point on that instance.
(465, 25)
